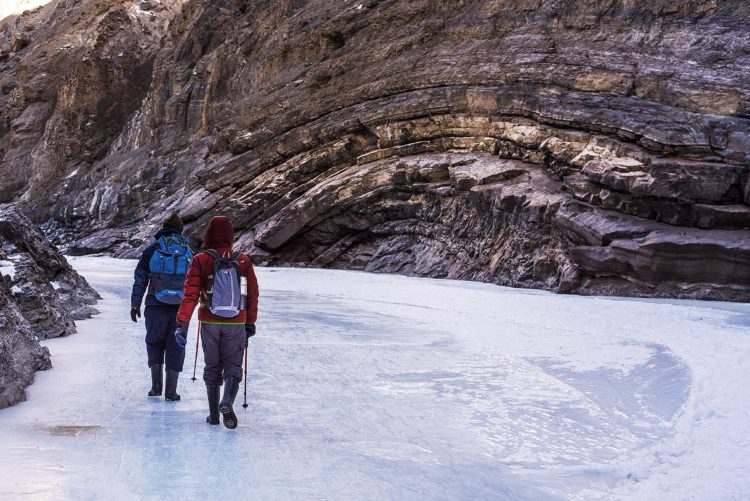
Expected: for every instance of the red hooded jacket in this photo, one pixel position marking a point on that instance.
(219, 237)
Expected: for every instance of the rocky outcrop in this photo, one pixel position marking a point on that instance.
(20, 352)
(71, 74)
(40, 297)
(590, 147)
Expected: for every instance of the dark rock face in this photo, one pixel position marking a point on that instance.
(40, 297)
(68, 89)
(20, 352)
(589, 147)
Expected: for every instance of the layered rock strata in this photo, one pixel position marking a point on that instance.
(71, 75)
(589, 147)
(40, 297)
(20, 353)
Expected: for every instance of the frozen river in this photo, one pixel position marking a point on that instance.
(384, 387)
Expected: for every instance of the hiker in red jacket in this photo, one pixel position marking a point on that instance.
(224, 282)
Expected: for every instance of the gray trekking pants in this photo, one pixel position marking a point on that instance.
(223, 346)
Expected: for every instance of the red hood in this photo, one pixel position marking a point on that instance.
(219, 234)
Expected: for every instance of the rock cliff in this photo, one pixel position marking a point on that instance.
(40, 297)
(597, 146)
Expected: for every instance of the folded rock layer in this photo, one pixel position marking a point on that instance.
(596, 147)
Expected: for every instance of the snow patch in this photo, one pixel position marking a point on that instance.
(10, 7)
(8, 268)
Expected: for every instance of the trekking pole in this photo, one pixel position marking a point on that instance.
(244, 406)
(197, 339)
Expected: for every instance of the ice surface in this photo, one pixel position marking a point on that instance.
(384, 387)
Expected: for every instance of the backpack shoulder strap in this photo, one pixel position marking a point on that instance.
(212, 253)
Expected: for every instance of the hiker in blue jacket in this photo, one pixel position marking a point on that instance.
(160, 276)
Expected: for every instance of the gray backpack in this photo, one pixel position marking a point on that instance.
(225, 296)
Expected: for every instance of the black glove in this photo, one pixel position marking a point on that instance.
(180, 334)
(135, 312)
(249, 332)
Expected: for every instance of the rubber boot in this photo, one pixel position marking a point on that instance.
(214, 393)
(170, 389)
(231, 387)
(156, 380)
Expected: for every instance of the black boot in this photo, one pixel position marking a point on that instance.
(156, 380)
(170, 389)
(214, 393)
(231, 387)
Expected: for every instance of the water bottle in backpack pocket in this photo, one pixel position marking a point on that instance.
(168, 268)
(225, 296)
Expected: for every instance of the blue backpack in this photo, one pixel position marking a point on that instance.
(168, 267)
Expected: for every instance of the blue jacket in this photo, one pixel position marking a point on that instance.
(141, 275)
